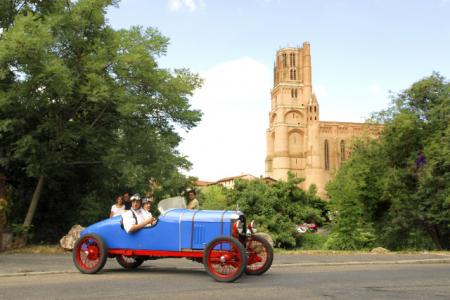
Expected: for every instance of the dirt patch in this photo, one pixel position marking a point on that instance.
(36, 249)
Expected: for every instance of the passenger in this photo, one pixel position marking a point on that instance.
(137, 217)
(118, 208)
(146, 204)
(126, 200)
(192, 202)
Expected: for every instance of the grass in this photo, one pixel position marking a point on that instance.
(353, 252)
(37, 249)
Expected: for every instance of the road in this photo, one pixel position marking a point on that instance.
(327, 278)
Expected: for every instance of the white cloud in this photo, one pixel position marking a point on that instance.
(230, 140)
(192, 5)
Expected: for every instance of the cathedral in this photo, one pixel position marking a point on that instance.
(297, 140)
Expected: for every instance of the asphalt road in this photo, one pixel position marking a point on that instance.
(291, 277)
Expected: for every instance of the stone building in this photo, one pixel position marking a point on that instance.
(297, 140)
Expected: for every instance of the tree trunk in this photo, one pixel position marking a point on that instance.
(434, 233)
(34, 201)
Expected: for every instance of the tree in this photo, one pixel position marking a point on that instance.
(213, 197)
(398, 187)
(81, 101)
(355, 198)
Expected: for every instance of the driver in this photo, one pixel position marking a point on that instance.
(136, 218)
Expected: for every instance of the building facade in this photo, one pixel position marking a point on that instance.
(297, 141)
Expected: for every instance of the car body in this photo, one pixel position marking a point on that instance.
(221, 240)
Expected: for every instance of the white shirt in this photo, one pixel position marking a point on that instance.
(117, 210)
(128, 219)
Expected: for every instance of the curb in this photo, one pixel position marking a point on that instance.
(381, 262)
(287, 265)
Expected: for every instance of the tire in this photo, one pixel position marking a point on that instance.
(225, 259)
(129, 262)
(89, 254)
(260, 255)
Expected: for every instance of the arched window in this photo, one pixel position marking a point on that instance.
(292, 59)
(293, 93)
(326, 155)
(342, 150)
(295, 74)
(284, 60)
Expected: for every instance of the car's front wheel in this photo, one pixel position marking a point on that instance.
(225, 259)
(260, 255)
(89, 254)
(129, 262)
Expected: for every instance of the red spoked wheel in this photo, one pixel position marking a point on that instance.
(225, 259)
(89, 254)
(129, 262)
(260, 255)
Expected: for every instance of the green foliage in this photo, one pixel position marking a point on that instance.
(384, 192)
(19, 230)
(277, 208)
(93, 209)
(312, 241)
(213, 197)
(85, 104)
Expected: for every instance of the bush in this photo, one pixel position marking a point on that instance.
(360, 240)
(277, 208)
(312, 241)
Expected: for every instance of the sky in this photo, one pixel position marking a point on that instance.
(362, 52)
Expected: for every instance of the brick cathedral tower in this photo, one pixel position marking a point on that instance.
(297, 140)
(294, 116)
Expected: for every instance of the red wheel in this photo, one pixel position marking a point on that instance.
(129, 262)
(225, 259)
(89, 254)
(260, 255)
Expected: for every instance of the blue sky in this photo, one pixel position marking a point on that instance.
(360, 51)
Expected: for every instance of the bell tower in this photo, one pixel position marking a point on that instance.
(297, 140)
(294, 115)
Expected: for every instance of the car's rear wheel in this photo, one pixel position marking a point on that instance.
(225, 259)
(89, 254)
(260, 255)
(129, 262)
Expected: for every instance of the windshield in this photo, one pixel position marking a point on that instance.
(169, 203)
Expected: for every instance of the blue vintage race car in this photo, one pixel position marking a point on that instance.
(221, 240)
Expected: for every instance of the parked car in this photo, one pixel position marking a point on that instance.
(306, 227)
(222, 240)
